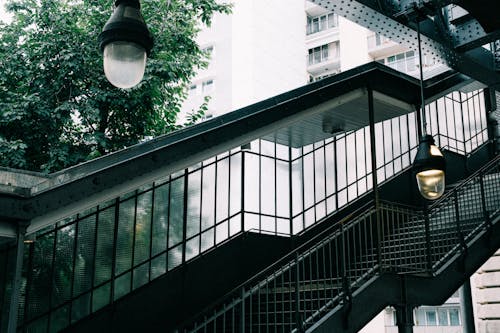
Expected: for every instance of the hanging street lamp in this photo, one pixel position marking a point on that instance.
(125, 42)
(429, 164)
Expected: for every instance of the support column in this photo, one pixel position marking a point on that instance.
(404, 318)
(467, 311)
(16, 283)
(492, 119)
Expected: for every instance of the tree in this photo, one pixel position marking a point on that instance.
(56, 107)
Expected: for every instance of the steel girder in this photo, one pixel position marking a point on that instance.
(457, 45)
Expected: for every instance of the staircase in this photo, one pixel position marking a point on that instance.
(369, 256)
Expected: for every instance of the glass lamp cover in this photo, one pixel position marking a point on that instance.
(431, 183)
(124, 63)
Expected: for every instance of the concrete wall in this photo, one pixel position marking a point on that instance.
(487, 296)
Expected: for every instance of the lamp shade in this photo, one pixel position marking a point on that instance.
(429, 169)
(125, 42)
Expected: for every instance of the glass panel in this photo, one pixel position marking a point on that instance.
(80, 307)
(104, 246)
(282, 189)
(193, 204)
(175, 257)
(59, 319)
(38, 301)
(308, 180)
(341, 164)
(84, 255)
(125, 236)
(330, 169)
(268, 224)
(222, 189)
(175, 228)
(442, 317)
(141, 275)
(297, 203)
(122, 285)
(235, 188)
(160, 219)
(252, 182)
(360, 153)
(454, 317)
(319, 169)
(208, 197)
(61, 281)
(222, 232)
(158, 266)
(192, 248)
(252, 222)
(235, 225)
(101, 296)
(267, 185)
(143, 228)
(419, 317)
(430, 317)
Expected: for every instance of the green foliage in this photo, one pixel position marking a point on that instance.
(56, 106)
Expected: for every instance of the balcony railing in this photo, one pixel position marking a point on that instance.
(377, 40)
(321, 23)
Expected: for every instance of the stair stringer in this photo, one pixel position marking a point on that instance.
(387, 289)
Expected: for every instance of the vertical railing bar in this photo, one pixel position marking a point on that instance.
(151, 222)
(427, 239)
(275, 302)
(242, 319)
(290, 188)
(242, 186)
(297, 293)
(483, 202)
(132, 271)
(184, 214)
(52, 273)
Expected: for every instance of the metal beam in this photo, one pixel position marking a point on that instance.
(379, 17)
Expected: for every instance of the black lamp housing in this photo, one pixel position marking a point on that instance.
(424, 160)
(126, 24)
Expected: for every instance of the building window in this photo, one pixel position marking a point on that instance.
(208, 86)
(403, 62)
(439, 316)
(377, 40)
(321, 23)
(454, 317)
(323, 53)
(193, 90)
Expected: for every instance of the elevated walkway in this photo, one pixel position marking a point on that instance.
(147, 237)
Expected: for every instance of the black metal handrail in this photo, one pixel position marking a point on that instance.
(478, 172)
(322, 273)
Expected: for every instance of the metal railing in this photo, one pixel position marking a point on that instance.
(296, 291)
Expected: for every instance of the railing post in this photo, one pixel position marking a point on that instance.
(373, 153)
(428, 244)
(460, 234)
(346, 290)
(242, 316)
(483, 203)
(298, 321)
(16, 282)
